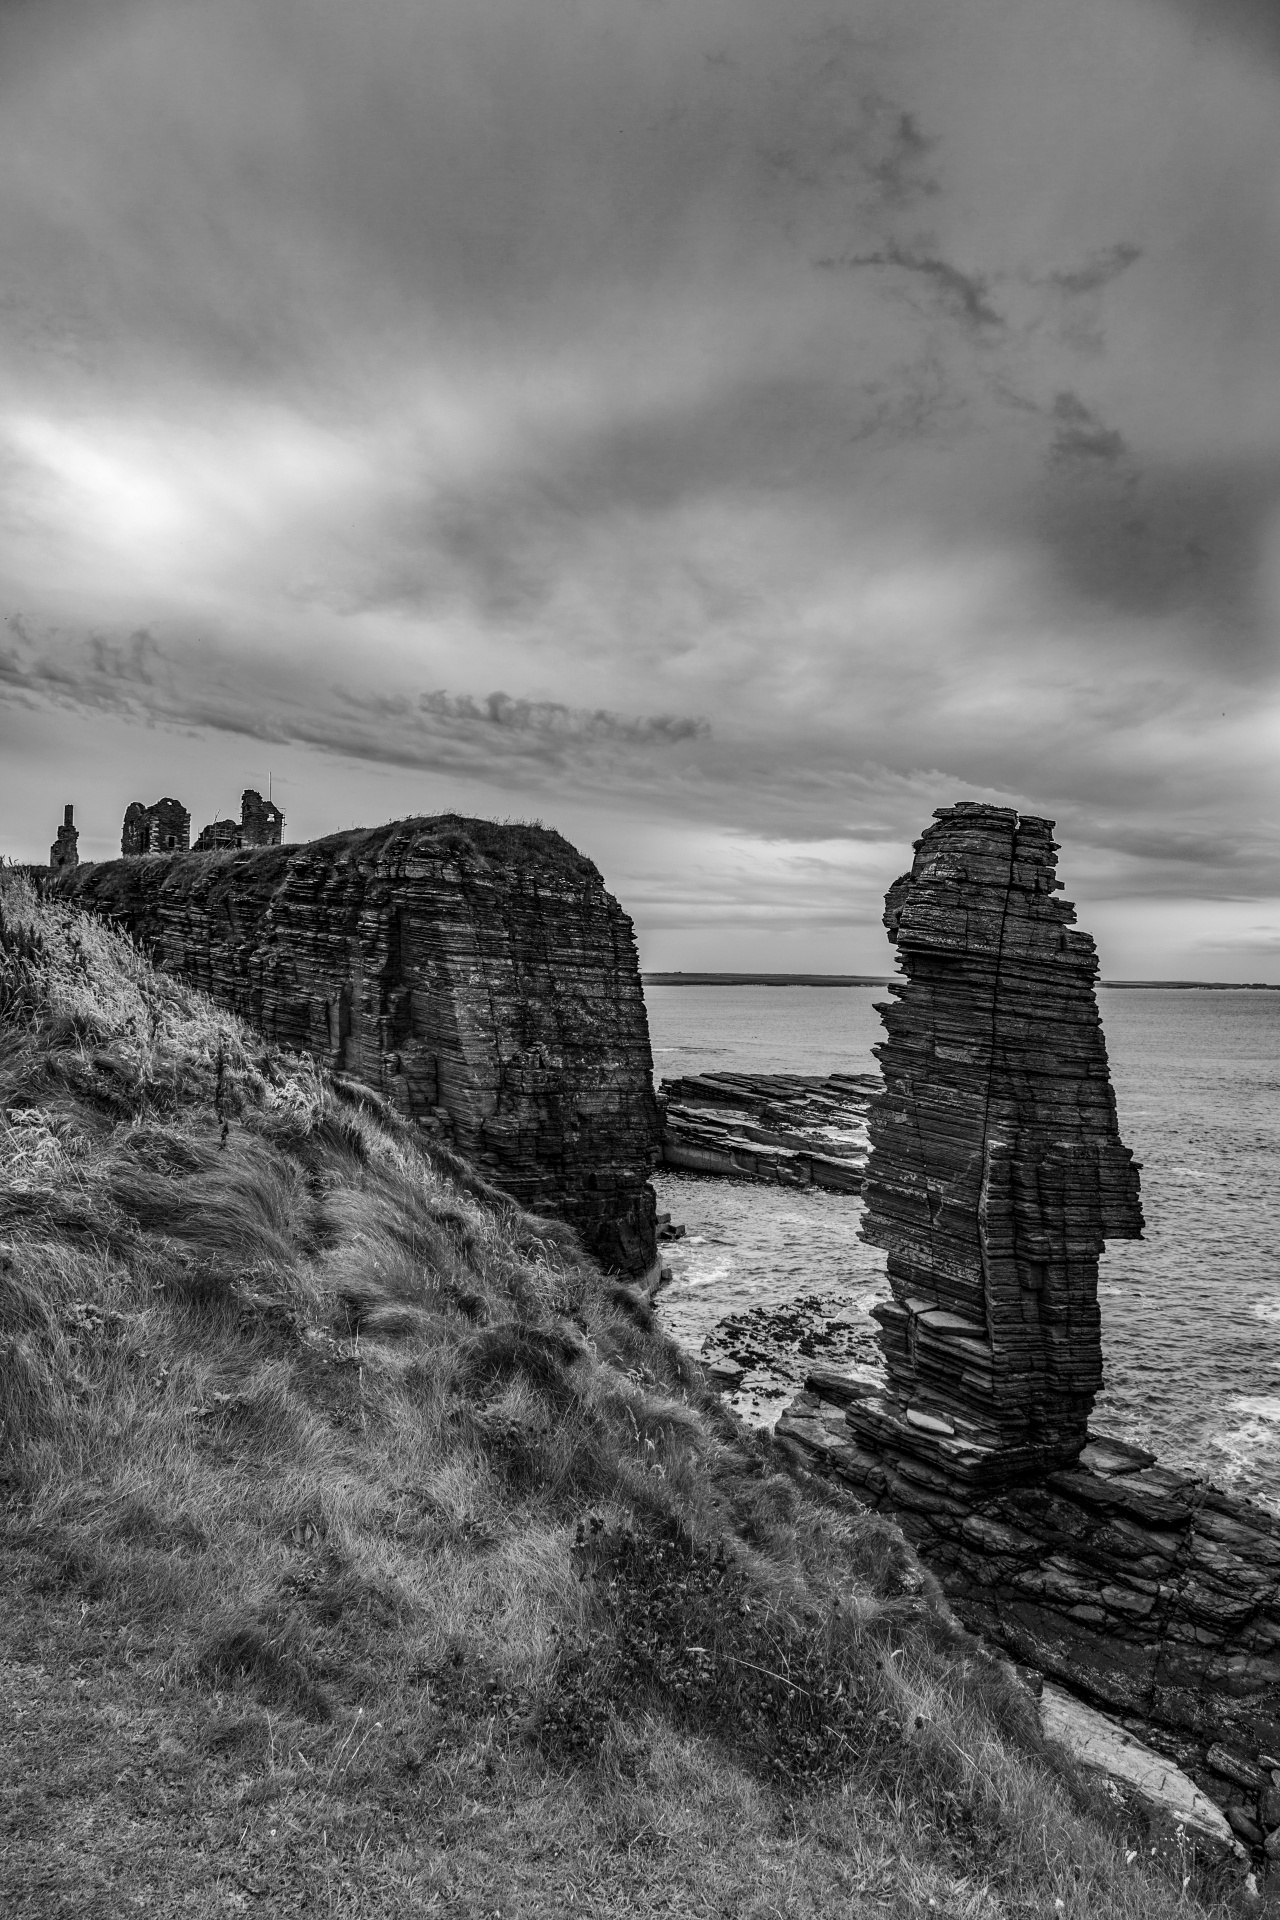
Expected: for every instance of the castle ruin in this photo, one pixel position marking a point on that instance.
(163, 827)
(261, 824)
(64, 854)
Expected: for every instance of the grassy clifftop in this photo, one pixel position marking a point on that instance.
(365, 1552)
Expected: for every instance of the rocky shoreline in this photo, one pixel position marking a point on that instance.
(1149, 1593)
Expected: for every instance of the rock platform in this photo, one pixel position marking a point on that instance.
(1150, 1593)
(794, 1129)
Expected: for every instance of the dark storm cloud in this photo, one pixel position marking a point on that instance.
(137, 677)
(1253, 25)
(1166, 540)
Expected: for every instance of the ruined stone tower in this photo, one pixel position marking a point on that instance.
(261, 824)
(261, 821)
(163, 827)
(997, 1169)
(64, 854)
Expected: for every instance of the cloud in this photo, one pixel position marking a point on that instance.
(967, 296)
(1098, 271)
(1251, 25)
(805, 416)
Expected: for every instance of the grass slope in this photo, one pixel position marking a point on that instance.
(366, 1552)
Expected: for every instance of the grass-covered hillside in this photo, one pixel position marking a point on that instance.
(365, 1552)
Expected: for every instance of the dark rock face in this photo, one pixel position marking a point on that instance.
(478, 976)
(996, 1169)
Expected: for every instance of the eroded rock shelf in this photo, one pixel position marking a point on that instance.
(794, 1129)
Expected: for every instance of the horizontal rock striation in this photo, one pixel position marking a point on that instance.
(1149, 1591)
(996, 1172)
(996, 1168)
(478, 976)
(794, 1129)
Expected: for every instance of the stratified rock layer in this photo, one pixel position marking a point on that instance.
(478, 976)
(996, 1169)
(793, 1129)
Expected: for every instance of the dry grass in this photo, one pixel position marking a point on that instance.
(365, 1553)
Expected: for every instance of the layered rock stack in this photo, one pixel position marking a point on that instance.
(996, 1172)
(479, 976)
(996, 1168)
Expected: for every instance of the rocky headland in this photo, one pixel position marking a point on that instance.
(477, 976)
(996, 1174)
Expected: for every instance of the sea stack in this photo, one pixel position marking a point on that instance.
(996, 1170)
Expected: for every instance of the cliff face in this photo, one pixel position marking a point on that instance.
(996, 1168)
(478, 976)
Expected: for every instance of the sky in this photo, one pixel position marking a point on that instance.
(721, 430)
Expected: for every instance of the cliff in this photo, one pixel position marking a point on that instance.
(478, 976)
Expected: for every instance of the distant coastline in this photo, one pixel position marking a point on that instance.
(766, 979)
(1203, 986)
(885, 980)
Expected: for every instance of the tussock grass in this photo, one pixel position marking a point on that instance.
(367, 1552)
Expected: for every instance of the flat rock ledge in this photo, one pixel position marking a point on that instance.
(1096, 1741)
(794, 1129)
(1148, 1593)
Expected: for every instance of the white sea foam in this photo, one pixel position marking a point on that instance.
(1260, 1406)
(1266, 1310)
(1254, 1442)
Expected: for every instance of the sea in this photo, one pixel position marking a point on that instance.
(774, 1280)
